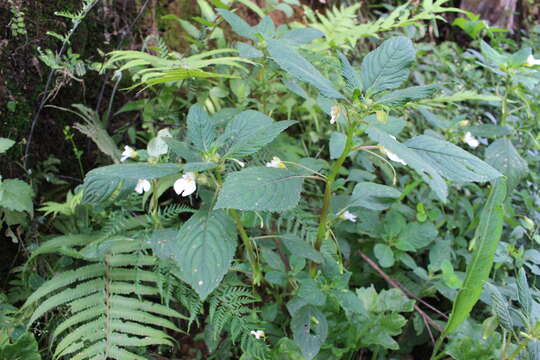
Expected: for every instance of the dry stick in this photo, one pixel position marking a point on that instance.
(120, 44)
(45, 95)
(410, 294)
(397, 285)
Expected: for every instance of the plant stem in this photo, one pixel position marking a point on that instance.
(246, 240)
(323, 219)
(504, 103)
(257, 275)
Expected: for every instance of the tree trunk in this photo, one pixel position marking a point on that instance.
(499, 13)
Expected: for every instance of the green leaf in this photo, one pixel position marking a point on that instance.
(261, 189)
(101, 183)
(299, 247)
(428, 173)
(301, 36)
(310, 329)
(387, 67)
(391, 124)
(416, 236)
(490, 130)
(349, 73)
(204, 249)
(373, 196)
(337, 144)
(238, 25)
(248, 51)
(201, 131)
(403, 96)
(384, 255)
(486, 240)
(5, 144)
(23, 348)
(293, 63)
(451, 161)
(249, 131)
(182, 150)
(503, 156)
(16, 195)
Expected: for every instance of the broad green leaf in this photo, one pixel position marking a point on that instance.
(261, 189)
(101, 183)
(448, 276)
(492, 55)
(265, 27)
(301, 36)
(451, 161)
(182, 150)
(486, 240)
(293, 63)
(299, 247)
(5, 144)
(373, 196)
(403, 96)
(384, 255)
(387, 67)
(310, 291)
(490, 130)
(204, 249)
(391, 124)
(23, 348)
(310, 329)
(349, 73)
(248, 51)
(238, 25)
(503, 156)
(201, 130)
(16, 195)
(416, 236)
(337, 144)
(413, 159)
(433, 119)
(249, 131)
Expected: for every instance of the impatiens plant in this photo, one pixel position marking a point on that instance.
(255, 216)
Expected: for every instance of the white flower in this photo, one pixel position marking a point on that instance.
(143, 186)
(129, 152)
(334, 114)
(531, 61)
(276, 163)
(348, 216)
(471, 140)
(186, 185)
(258, 334)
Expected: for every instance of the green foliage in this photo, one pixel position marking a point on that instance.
(484, 243)
(102, 316)
(203, 249)
(347, 235)
(387, 66)
(261, 189)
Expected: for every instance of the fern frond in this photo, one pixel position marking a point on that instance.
(110, 303)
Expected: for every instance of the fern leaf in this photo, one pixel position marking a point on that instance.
(66, 296)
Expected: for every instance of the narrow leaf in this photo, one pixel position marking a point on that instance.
(486, 239)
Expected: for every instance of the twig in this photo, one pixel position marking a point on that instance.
(119, 46)
(407, 293)
(44, 97)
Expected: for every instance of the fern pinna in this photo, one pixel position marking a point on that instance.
(111, 303)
